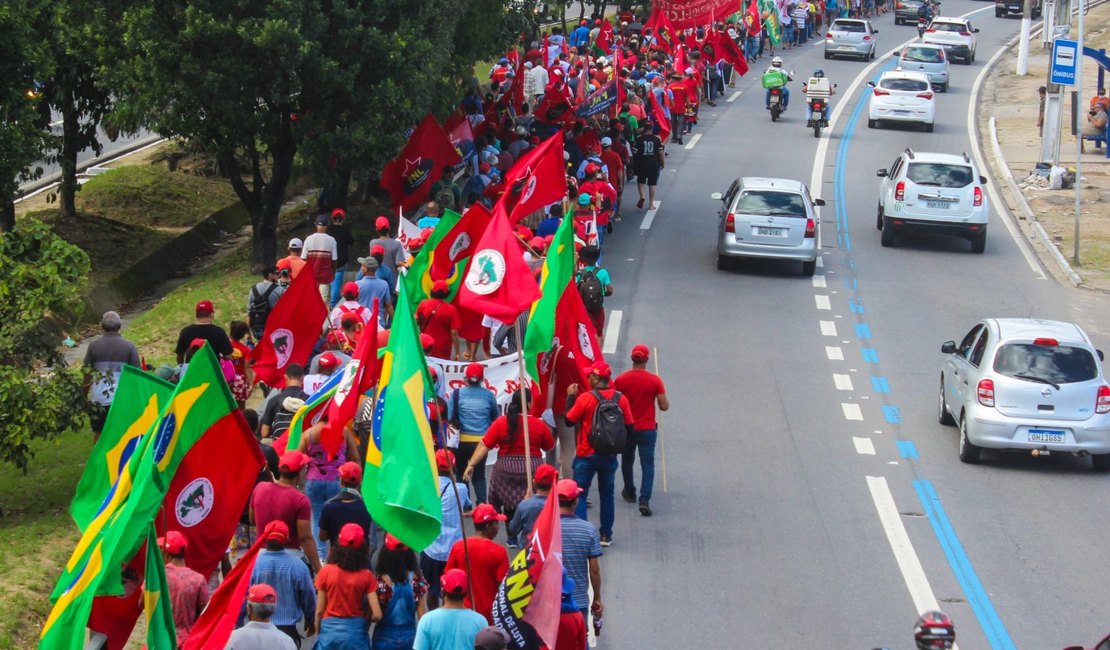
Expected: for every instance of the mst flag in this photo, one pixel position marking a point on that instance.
(160, 629)
(558, 269)
(574, 331)
(217, 621)
(409, 177)
(499, 282)
(291, 331)
(344, 404)
(538, 179)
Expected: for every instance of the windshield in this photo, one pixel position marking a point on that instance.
(947, 27)
(925, 54)
(939, 174)
(1045, 364)
(910, 85)
(845, 26)
(771, 204)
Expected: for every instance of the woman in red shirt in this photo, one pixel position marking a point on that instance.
(346, 594)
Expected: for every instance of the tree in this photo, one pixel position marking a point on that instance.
(41, 282)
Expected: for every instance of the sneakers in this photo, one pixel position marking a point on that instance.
(512, 542)
(629, 495)
(645, 509)
(606, 540)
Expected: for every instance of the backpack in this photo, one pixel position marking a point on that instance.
(589, 287)
(608, 432)
(259, 309)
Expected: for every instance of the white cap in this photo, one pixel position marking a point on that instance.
(689, 71)
(296, 243)
(528, 65)
(606, 141)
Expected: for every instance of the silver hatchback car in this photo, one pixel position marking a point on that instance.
(850, 37)
(928, 58)
(771, 218)
(1023, 384)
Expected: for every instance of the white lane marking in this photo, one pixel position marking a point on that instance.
(822, 302)
(649, 216)
(693, 141)
(834, 353)
(590, 636)
(820, 263)
(843, 382)
(851, 411)
(819, 280)
(828, 327)
(864, 446)
(734, 96)
(612, 332)
(909, 564)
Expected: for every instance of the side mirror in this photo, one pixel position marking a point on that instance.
(874, 31)
(983, 180)
(882, 173)
(976, 30)
(717, 196)
(949, 347)
(871, 83)
(1101, 356)
(819, 202)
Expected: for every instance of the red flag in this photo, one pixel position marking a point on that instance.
(575, 332)
(498, 282)
(216, 623)
(210, 490)
(516, 88)
(461, 134)
(342, 406)
(291, 331)
(115, 616)
(659, 115)
(605, 37)
(680, 64)
(720, 46)
(409, 177)
(543, 50)
(755, 22)
(536, 180)
(662, 29)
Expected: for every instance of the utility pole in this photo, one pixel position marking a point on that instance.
(1078, 131)
(1023, 45)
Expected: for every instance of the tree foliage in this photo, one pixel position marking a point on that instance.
(41, 280)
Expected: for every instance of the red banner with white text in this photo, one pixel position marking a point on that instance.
(686, 14)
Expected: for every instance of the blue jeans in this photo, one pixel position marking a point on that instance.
(751, 46)
(319, 491)
(336, 287)
(605, 467)
(644, 441)
(785, 97)
(788, 34)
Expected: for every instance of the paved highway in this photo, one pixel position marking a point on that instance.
(814, 501)
(121, 144)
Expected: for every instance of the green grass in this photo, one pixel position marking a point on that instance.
(153, 196)
(36, 534)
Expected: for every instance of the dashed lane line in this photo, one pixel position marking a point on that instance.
(612, 332)
(828, 328)
(863, 446)
(834, 353)
(649, 216)
(693, 141)
(843, 382)
(852, 411)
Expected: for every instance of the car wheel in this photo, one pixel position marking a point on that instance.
(723, 263)
(809, 268)
(998, 14)
(872, 54)
(827, 56)
(972, 58)
(879, 218)
(969, 453)
(1100, 462)
(944, 87)
(979, 241)
(928, 128)
(871, 124)
(887, 239)
(943, 416)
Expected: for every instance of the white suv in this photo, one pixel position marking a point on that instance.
(955, 35)
(933, 192)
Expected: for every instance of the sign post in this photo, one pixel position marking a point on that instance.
(1065, 62)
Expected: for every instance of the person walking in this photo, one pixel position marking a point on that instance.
(262, 299)
(282, 500)
(433, 559)
(373, 289)
(471, 409)
(294, 388)
(341, 233)
(393, 253)
(205, 329)
(401, 591)
(439, 319)
(644, 390)
(346, 507)
(104, 361)
(648, 158)
(350, 306)
(453, 626)
(289, 577)
(524, 519)
(346, 594)
(322, 481)
(290, 266)
(488, 562)
(321, 252)
(594, 286)
(188, 590)
(581, 550)
(259, 633)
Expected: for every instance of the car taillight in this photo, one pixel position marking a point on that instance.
(879, 92)
(829, 35)
(925, 95)
(900, 191)
(866, 38)
(811, 228)
(930, 31)
(730, 223)
(985, 390)
(978, 197)
(1102, 404)
(965, 33)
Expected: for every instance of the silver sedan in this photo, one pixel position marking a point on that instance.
(770, 218)
(850, 37)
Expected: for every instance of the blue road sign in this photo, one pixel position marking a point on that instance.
(1065, 59)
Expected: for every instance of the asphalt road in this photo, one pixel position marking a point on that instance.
(121, 144)
(814, 500)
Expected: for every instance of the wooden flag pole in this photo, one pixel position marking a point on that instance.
(662, 447)
(524, 413)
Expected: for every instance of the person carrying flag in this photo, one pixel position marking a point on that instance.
(188, 589)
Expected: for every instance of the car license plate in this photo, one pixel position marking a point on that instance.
(1046, 435)
(770, 232)
(937, 205)
(901, 112)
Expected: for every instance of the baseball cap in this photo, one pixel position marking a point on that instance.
(640, 352)
(205, 307)
(296, 243)
(546, 474)
(173, 543)
(590, 170)
(483, 167)
(538, 243)
(583, 198)
(292, 461)
(352, 535)
(426, 341)
(350, 471)
(567, 489)
(262, 594)
(607, 141)
(370, 263)
(503, 59)
(394, 544)
(338, 213)
(474, 370)
(485, 513)
(440, 285)
(444, 459)
(491, 638)
(454, 582)
(276, 530)
(601, 369)
(322, 220)
(379, 223)
(351, 287)
(378, 249)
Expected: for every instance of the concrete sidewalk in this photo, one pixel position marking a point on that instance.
(1013, 102)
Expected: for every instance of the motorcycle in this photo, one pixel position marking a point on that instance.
(922, 25)
(775, 105)
(819, 115)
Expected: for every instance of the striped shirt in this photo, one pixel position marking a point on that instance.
(800, 15)
(581, 542)
(288, 574)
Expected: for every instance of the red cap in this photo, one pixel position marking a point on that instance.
(292, 461)
(524, 232)
(205, 307)
(538, 243)
(352, 535)
(197, 343)
(173, 543)
(262, 594)
(426, 342)
(546, 474)
(350, 472)
(394, 544)
(381, 222)
(327, 360)
(333, 338)
(338, 213)
(483, 167)
(444, 459)
(440, 286)
(276, 530)
(475, 370)
(601, 369)
(454, 582)
(351, 288)
(567, 489)
(485, 512)
(426, 233)
(640, 352)
(377, 249)
(592, 168)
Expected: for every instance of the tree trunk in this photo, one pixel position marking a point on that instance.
(282, 154)
(68, 158)
(7, 214)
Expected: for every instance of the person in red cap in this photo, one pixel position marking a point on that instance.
(374, 290)
(326, 363)
(286, 574)
(453, 626)
(584, 409)
(471, 409)
(393, 253)
(259, 633)
(188, 589)
(283, 501)
(346, 594)
(433, 559)
(439, 319)
(346, 507)
(524, 519)
(644, 389)
(320, 252)
(581, 549)
(322, 480)
(349, 306)
(488, 560)
(341, 233)
(205, 329)
(401, 591)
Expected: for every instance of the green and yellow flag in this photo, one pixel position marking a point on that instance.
(160, 629)
(558, 269)
(417, 279)
(771, 22)
(120, 525)
(400, 484)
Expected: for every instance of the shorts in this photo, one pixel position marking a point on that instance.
(433, 571)
(647, 175)
(98, 414)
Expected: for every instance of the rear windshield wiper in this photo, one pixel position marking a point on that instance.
(1039, 380)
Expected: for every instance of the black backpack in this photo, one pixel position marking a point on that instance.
(608, 432)
(259, 309)
(589, 287)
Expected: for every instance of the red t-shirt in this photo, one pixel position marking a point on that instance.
(678, 89)
(539, 436)
(615, 163)
(572, 632)
(345, 590)
(489, 562)
(438, 319)
(274, 501)
(692, 88)
(583, 413)
(641, 387)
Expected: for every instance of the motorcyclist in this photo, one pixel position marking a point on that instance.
(934, 630)
(925, 12)
(819, 74)
(776, 77)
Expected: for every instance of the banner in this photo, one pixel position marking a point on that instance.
(502, 376)
(690, 14)
(599, 101)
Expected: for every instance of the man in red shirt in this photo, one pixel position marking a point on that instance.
(489, 561)
(587, 462)
(282, 500)
(615, 164)
(188, 589)
(678, 107)
(440, 320)
(644, 390)
(566, 373)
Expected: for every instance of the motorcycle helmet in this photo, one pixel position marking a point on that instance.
(776, 62)
(934, 630)
(819, 73)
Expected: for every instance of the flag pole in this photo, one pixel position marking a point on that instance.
(462, 527)
(524, 414)
(662, 447)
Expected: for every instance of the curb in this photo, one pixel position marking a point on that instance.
(54, 179)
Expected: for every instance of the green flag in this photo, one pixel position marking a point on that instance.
(160, 629)
(417, 280)
(558, 269)
(118, 528)
(140, 398)
(400, 484)
(771, 21)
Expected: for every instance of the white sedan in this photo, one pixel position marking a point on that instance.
(902, 96)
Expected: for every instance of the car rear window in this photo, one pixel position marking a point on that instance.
(845, 26)
(922, 54)
(911, 85)
(939, 174)
(1040, 363)
(766, 203)
(947, 27)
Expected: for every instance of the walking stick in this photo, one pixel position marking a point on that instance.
(662, 446)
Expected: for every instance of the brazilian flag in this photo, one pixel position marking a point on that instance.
(558, 269)
(160, 629)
